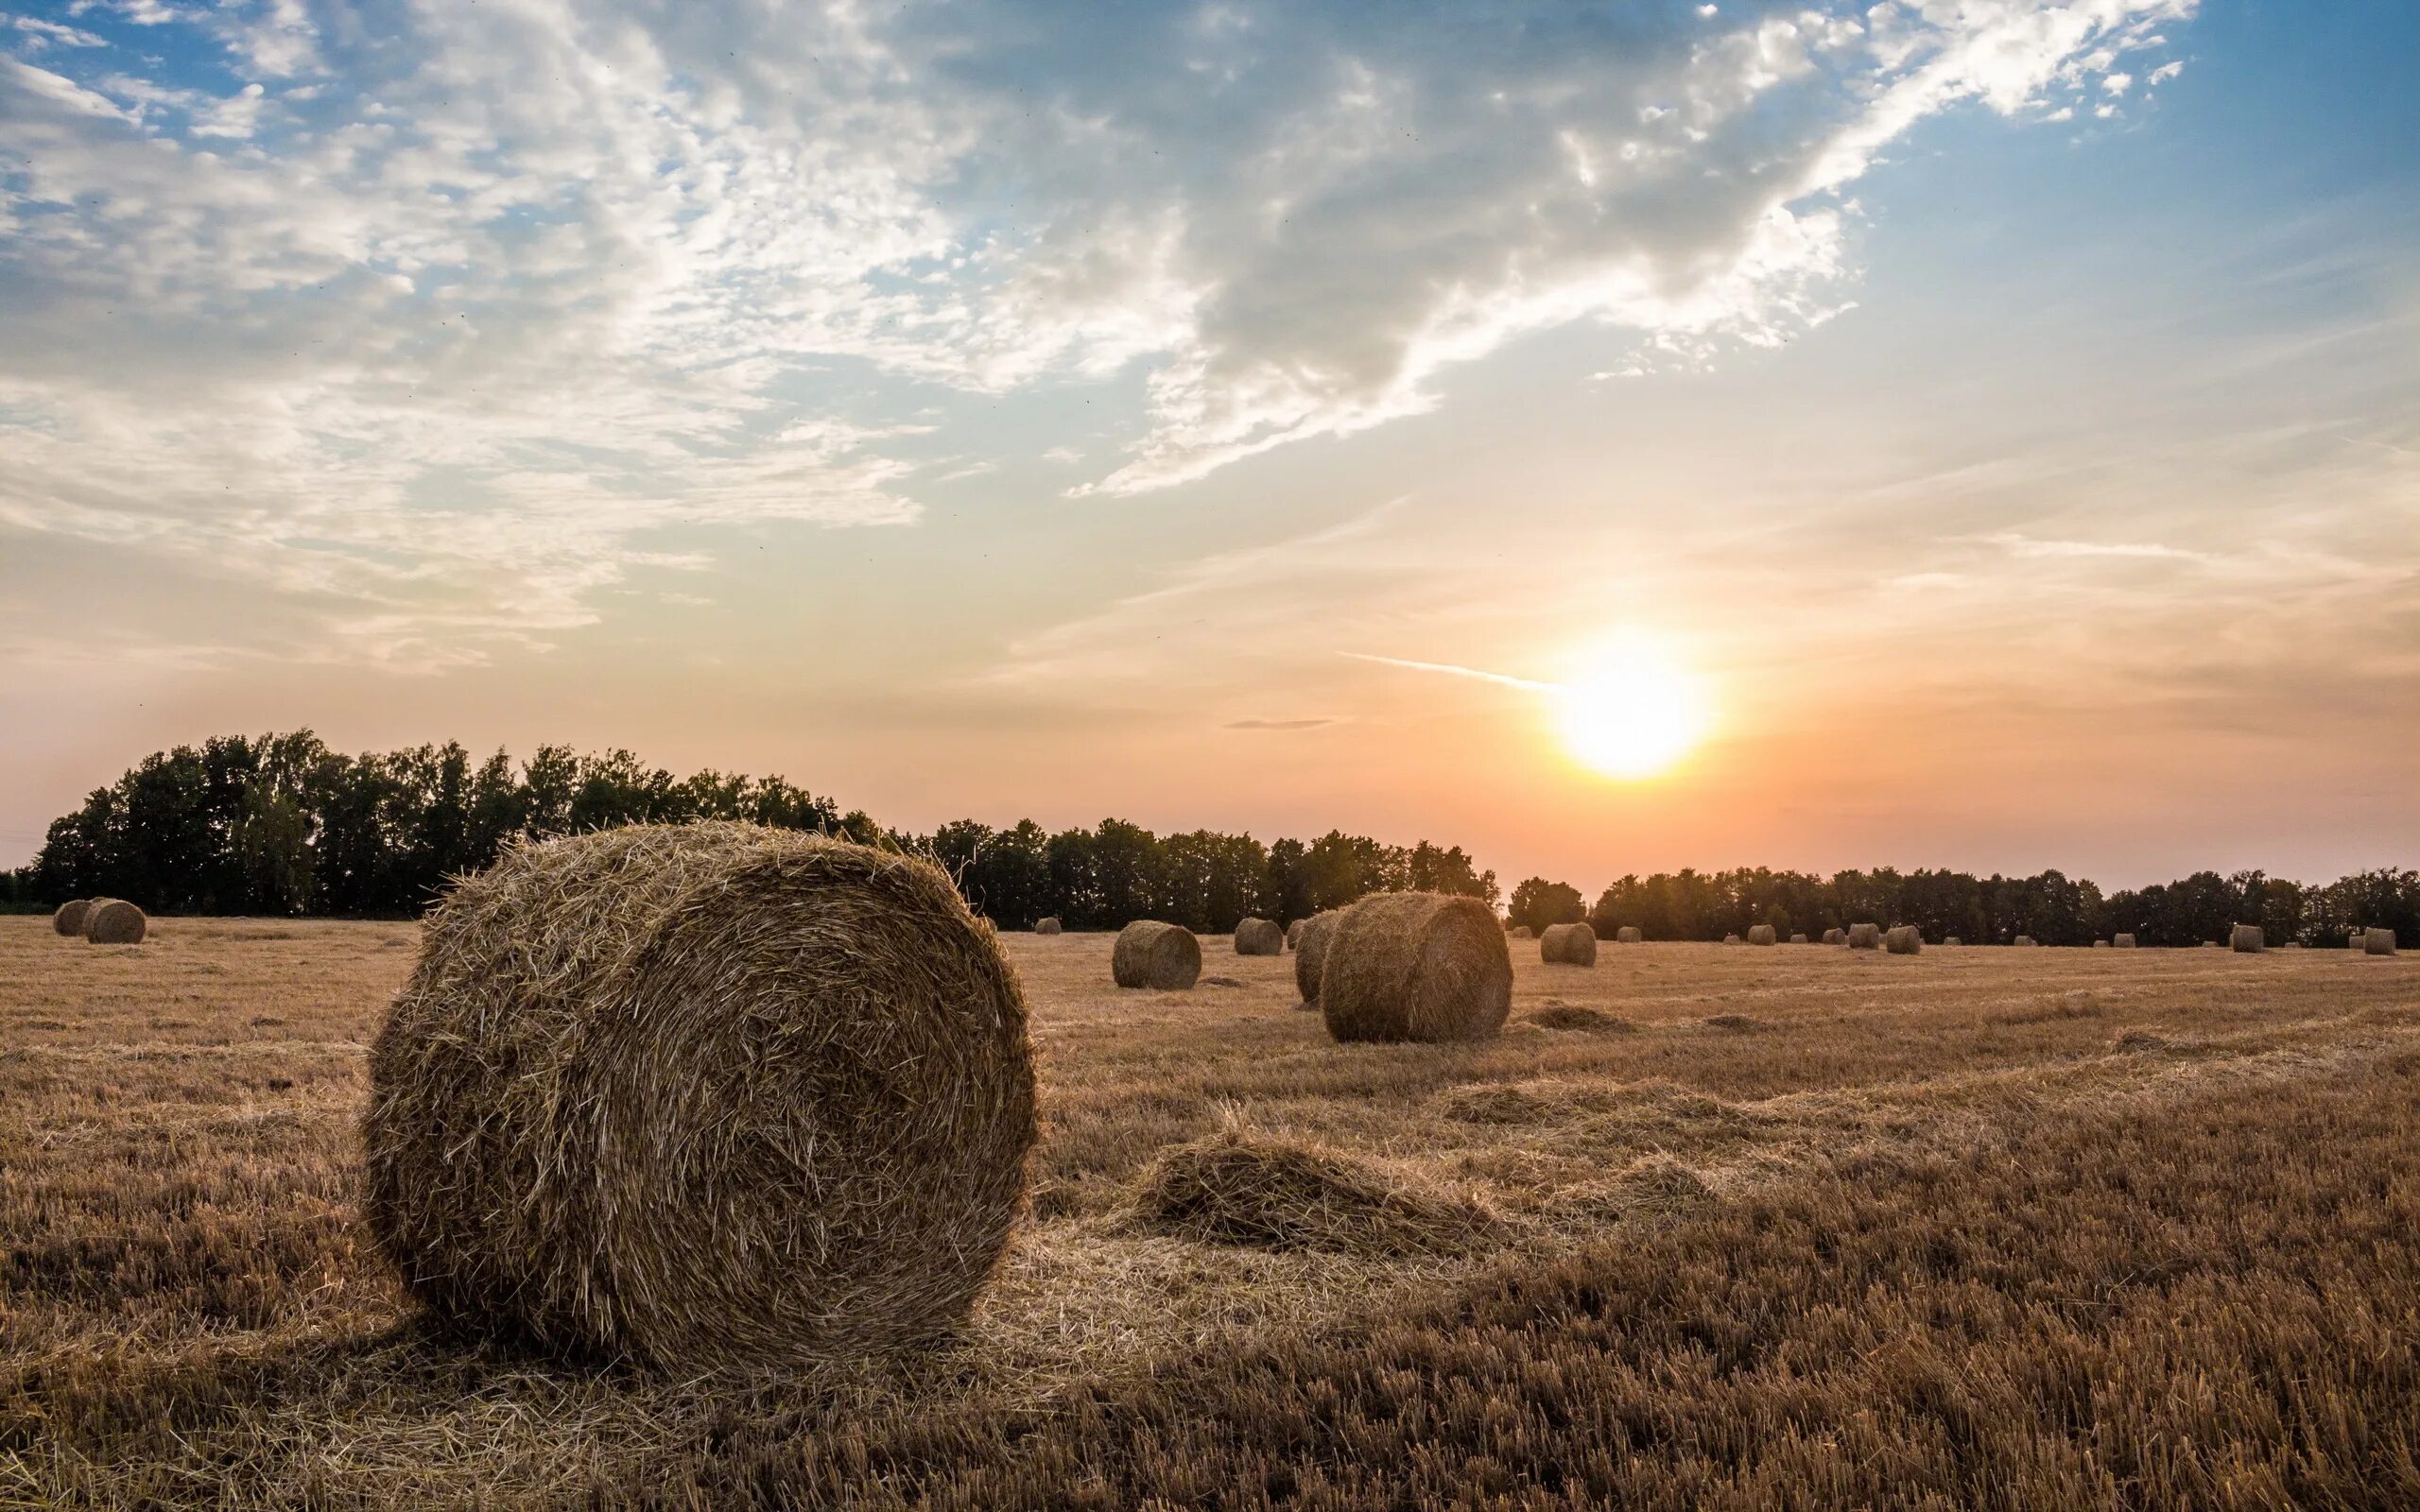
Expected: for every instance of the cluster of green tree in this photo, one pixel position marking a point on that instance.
(2051, 908)
(282, 825)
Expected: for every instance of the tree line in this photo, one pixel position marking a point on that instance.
(282, 825)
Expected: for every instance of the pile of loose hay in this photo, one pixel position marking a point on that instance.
(1905, 939)
(1310, 955)
(1259, 937)
(2248, 939)
(692, 1096)
(70, 918)
(2377, 942)
(1567, 945)
(1628, 935)
(1760, 934)
(1151, 954)
(1865, 936)
(1249, 1190)
(1556, 1014)
(1418, 966)
(1047, 926)
(114, 921)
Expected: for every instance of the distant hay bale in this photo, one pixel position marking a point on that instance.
(2247, 940)
(1836, 937)
(2022, 939)
(1294, 933)
(1253, 1190)
(1567, 945)
(1905, 939)
(1149, 953)
(701, 1095)
(1951, 939)
(2101, 944)
(1865, 936)
(1417, 966)
(2122, 942)
(70, 918)
(1760, 934)
(2377, 942)
(1798, 940)
(1310, 955)
(1628, 935)
(1731, 940)
(1521, 932)
(1259, 937)
(114, 921)
(1047, 926)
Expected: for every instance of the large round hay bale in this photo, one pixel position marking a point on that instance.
(1836, 937)
(2247, 938)
(114, 921)
(1569, 945)
(1310, 953)
(1047, 926)
(1151, 954)
(1419, 966)
(1865, 936)
(1259, 937)
(2122, 942)
(70, 918)
(1731, 940)
(1628, 935)
(1798, 940)
(1760, 934)
(701, 1095)
(1905, 939)
(2022, 939)
(1522, 932)
(2377, 942)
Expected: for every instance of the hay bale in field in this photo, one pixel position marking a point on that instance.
(1865, 936)
(701, 1095)
(1294, 933)
(1628, 935)
(1149, 953)
(1310, 955)
(1798, 940)
(1417, 966)
(2247, 940)
(70, 918)
(114, 921)
(1521, 932)
(1731, 940)
(2122, 942)
(1047, 926)
(1905, 939)
(2022, 939)
(1569, 945)
(1760, 934)
(1249, 1190)
(2377, 942)
(1951, 939)
(1836, 937)
(1259, 937)
(2101, 944)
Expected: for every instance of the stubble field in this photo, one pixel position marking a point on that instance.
(1707, 1226)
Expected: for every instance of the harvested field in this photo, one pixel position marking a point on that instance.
(1612, 1256)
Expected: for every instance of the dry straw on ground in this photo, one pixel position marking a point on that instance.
(2378, 942)
(1259, 937)
(2247, 938)
(1905, 939)
(1244, 1188)
(70, 918)
(1153, 955)
(1865, 936)
(1047, 926)
(1416, 965)
(1569, 945)
(701, 1095)
(114, 921)
(1310, 955)
(1628, 935)
(1760, 934)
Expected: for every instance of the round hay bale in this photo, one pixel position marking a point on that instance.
(1951, 939)
(1522, 932)
(1418, 966)
(2247, 940)
(1865, 936)
(1310, 954)
(701, 1095)
(1836, 937)
(2022, 939)
(1294, 933)
(1905, 939)
(1151, 954)
(1798, 940)
(1760, 934)
(2377, 942)
(1628, 935)
(114, 921)
(1047, 926)
(70, 918)
(2101, 944)
(1731, 940)
(1259, 937)
(1567, 945)
(2122, 942)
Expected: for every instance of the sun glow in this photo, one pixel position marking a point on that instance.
(1634, 711)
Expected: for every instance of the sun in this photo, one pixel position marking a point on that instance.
(1634, 711)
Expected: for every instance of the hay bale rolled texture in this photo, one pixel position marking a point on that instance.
(1567, 945)
(70, 918)
(1865, 936)
(1628, 935)
(1310, 955)
(2022, 939)
(114, 921)
(1259, 937)
(1047, 926)
(2377, 942)
(702, 1096)
(1731, 940)
(1798, 940)
(1905, 939)
(1836, 937)
(2248, 939)
(2122, 942)
(2101, 944)
(1151, 954)
(1294, 933)
(1760, 934)
(1522, 932)
(1418, 966)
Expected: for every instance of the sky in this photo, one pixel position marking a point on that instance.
(2002, 415)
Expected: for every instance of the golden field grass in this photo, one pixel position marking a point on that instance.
(1707, 1226)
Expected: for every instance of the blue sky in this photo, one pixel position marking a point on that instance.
(2004, 407)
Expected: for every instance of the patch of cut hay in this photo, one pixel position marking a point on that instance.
(1424, 967)
(1310, 955)
(1760, 934)
(1221, 981)
(2073, 1005)
(1737, 1023)
(1658, 1184)
(694, 1097)
(1510, 1102)
(1628, 935)
(2143, 1041)
(1905, 939)
(1255, 1191)
(1047, 926)
(1162, 958)
(114, 921)
(69, 921)
(1259, 937)
(1567, 945)
(2247, 940)
(1558, 1015)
